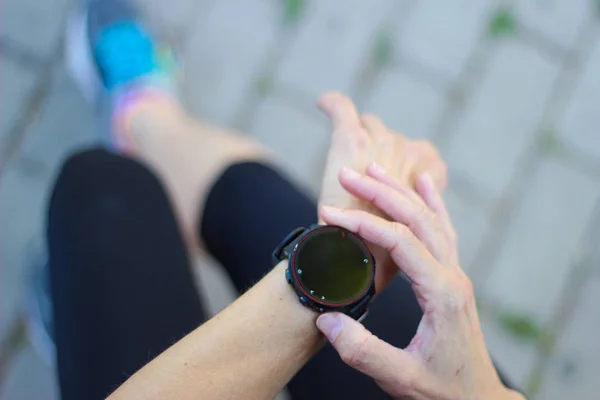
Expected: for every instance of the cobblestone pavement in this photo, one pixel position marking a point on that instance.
(509, 91)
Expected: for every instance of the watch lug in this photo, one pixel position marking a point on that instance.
(280, 252)
(359, 310)
(363, 316)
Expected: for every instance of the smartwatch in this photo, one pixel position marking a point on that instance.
(329, 268)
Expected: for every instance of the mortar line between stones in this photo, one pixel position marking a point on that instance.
(185, 32)
(291, 94)
(583, 265)
(583, 268)
(363, 85)
(500, 211)
(244, 115)
(456, 99)
(23, 57)
(529, 162)
(17, 132)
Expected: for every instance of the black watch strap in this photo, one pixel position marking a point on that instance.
(283, 251)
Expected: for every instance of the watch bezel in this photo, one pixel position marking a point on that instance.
(349, 307)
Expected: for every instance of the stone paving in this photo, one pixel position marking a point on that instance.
(509, 91)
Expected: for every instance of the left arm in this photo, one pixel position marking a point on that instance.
(248, 351)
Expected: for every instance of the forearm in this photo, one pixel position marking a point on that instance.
(250, 350)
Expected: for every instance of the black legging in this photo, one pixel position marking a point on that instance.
(122, 284)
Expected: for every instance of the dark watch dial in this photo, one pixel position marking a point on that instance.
(332, 266)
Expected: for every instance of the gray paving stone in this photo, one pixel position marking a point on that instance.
(514, 358)
(406, 104)
(542, 241)
(471, 222)
(17, 83)
(35, 25)
(22, 208)
(501, 117)
(441, 35)
(171, 17)
(574, 369)
(558, 20)
(225, 53)
(300, 141)
(65, 123)
(333, 45)
(29, 378)
(580, 126)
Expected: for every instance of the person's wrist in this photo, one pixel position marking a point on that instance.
(287, 296)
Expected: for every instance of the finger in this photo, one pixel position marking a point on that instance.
(425, 187)
(429, 161)
(379, 173)
(409, 254)
(417, 216)
(340, 109)
(365, 352)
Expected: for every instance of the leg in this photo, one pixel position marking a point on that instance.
(187, 155)
(120, 275)
(112, 55)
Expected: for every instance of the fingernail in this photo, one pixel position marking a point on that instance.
(350, 173)
(330, 325)
(377, 168)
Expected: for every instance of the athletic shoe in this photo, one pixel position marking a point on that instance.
(110, 53)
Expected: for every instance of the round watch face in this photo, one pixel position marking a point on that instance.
(333, 266)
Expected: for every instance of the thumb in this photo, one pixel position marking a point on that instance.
(340, 109)
(365, 352)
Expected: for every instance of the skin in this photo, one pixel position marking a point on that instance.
(447, 358)
(186, 154)
(253, 348)
(248, 351)
(358, 141)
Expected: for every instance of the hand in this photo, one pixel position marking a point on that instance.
(447, 358)
(358, 141)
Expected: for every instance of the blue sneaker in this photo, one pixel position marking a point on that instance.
(110, 52)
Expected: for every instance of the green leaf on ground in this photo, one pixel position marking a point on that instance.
(550, 143)
(11, 345)
(547, 342)
(502, 23)
(292, 11)
(535, 381)
(383, 49)
(521, 326)
(264, 85)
